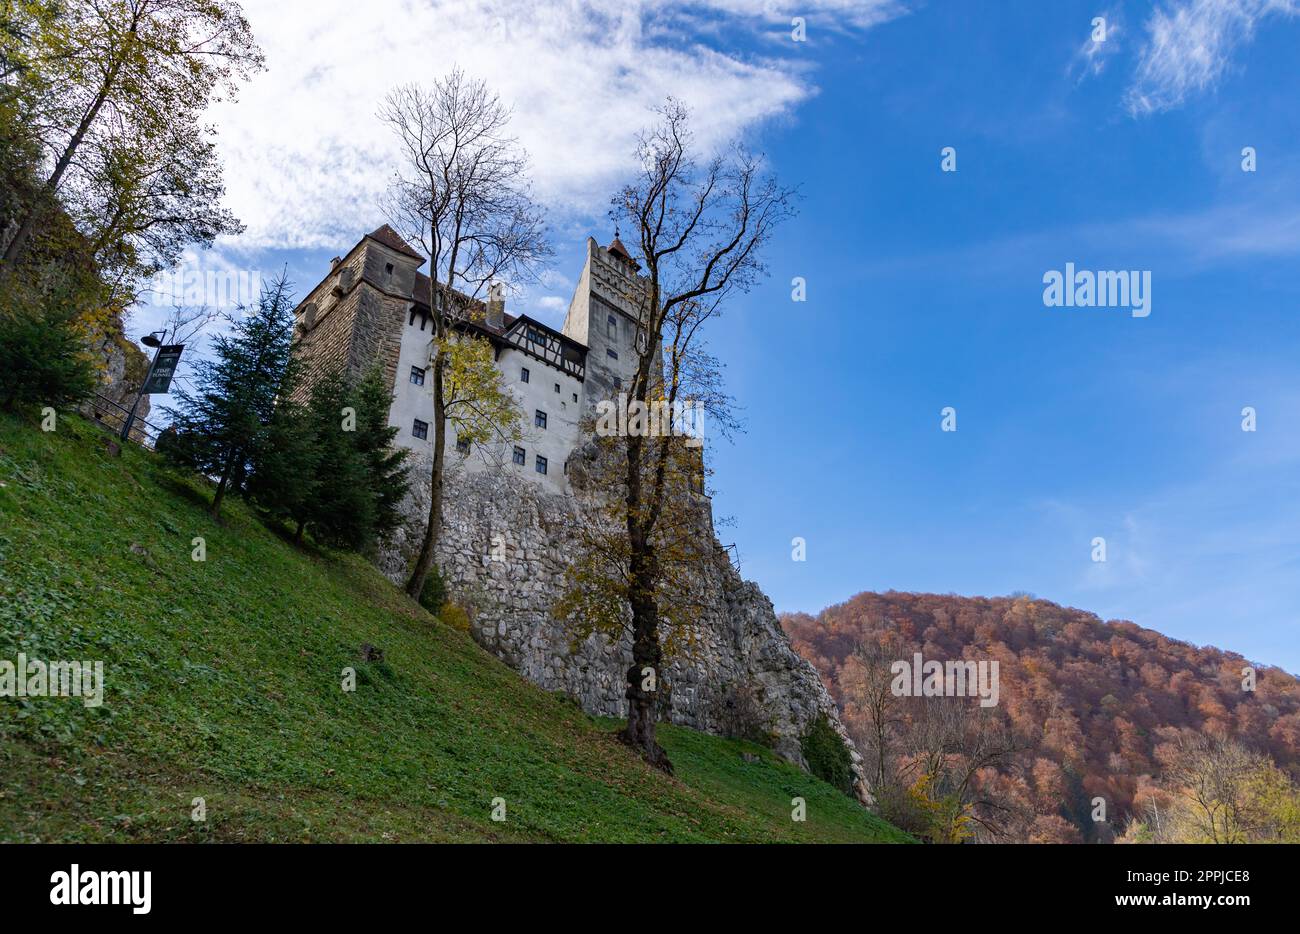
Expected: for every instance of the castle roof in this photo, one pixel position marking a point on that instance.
(420, 295)
(393, 240)
(617, 249)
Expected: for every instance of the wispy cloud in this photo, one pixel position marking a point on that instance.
(306, 158)
(1102, 44)
(1229, 232)
(1190, 44)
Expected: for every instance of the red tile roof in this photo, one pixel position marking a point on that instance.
(393, 240)
(617, 249)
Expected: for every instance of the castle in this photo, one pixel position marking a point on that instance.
(510, 510)
(373, 306)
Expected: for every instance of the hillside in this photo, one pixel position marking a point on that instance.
(1096, 708)
(223, 682)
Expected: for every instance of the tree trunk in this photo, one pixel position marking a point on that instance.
(224, 483)
(17, 246)
(646, 658)
(646, 652)
(433, 528)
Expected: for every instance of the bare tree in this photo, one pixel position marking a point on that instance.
(925, 754)
(699, 229)
(867, 685)
(461, 193)
(1214, 777)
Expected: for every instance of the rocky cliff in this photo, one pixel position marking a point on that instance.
(503, 555)
(121, 367)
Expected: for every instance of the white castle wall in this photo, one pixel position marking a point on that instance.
(540, 393)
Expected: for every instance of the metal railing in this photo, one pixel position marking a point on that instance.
(113, 415)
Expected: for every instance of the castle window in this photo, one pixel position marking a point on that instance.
(575, 397)
(618, 383)
(388, 268)
(420, 429)
(611, 353)
(557, 387)
(417, 376)
(540, 464)
(539, 418)
(611, 327)
(523, 374)
(536, 337)
(520, 456)
(462, 445)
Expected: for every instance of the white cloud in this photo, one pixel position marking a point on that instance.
(1190, 44)
(306, 159)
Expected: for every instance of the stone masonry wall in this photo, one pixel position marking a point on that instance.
(741, 671)
(357, 322)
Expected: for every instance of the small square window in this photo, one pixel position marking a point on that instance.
(462, 445)
(520, 456)
(417, 376)
(557, 387)
(420, 429)
(539, 418)
(523, 374)
(611, 353)
(575, 397)
(540, 464)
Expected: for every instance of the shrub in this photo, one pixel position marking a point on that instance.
(434, 594)
(738, 710)
(42, 357)
(827, 756)
(926, 811)
(455, 616)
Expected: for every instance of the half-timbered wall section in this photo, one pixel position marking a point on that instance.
(547, 345)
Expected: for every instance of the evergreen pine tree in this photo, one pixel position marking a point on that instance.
(224, 421)
(342, 509)
(385, 461)
(43, 359)
(284, 477)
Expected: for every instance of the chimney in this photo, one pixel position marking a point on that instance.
(496, 306)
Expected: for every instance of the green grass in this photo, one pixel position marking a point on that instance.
(224, 682)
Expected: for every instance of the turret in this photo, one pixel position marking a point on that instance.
(603, 315)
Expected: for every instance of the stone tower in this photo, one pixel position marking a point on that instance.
(354, 316)
(603, 316)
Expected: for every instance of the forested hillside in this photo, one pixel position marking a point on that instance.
(1087, 709)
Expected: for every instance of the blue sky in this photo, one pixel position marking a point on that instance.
(924, 288)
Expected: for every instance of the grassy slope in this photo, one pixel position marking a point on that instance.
(224, 682)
